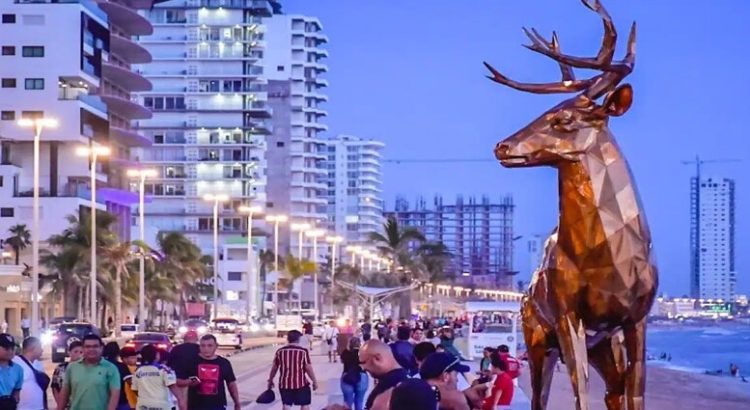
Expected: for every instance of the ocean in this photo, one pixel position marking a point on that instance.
(697, 349)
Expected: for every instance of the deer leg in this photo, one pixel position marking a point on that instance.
(635, 376)
(572, 338)
(541, 364)
(608, 359)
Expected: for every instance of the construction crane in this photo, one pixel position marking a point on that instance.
(699, 162)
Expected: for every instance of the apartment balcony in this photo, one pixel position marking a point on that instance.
(309, 184)
(308, 169)
(125, 107)
(319, 97)
(139, 4)
(320, 68)
(128, 138)
(309, 200)
(90, 103)
(164, 39)
(318, 36)
(260, 7)
(124, 77)
(315, 110)
(128, 50)
(126, 18)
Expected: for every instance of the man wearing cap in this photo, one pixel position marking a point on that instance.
(11, 374)
(415, 394)
(441, 370)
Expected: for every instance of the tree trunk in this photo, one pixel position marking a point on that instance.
(118, 301)
(18, 257)
(405, 305)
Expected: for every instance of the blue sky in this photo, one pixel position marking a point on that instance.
(410, 74)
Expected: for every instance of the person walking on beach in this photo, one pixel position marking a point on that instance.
(35, 382)
(294, 366)
(92, 383)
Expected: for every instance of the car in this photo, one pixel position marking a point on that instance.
(196, 325)
(226, 324)
(160, 340)
(128, 330)
(65, 334)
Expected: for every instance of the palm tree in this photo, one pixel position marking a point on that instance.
(394, 242)
(266, 258)
(117, 258)
(19, 240)
(297, 268)
(433, 257)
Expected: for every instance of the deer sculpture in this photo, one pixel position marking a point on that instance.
(589, 299)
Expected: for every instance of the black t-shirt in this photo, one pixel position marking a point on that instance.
(210, 394)
(183, 357)
(350, 360)
(122, 368)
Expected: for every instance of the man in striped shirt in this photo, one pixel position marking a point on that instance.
(294, 366)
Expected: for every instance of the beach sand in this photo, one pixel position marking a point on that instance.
(667, 389)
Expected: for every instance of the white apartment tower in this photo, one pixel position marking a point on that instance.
(211, 117)
(70, 61)
(355, 203)
(712, 238)
(296, 150)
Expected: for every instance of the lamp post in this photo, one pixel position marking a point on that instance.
(353, 250)
(38, 124)
(93, 152)
(315, 234)
(141, 174)
(216, 199)
(252, 290)
(334, 241)
(276, 220)
(301, 228)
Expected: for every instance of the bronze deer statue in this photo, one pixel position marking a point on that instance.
(589, 299)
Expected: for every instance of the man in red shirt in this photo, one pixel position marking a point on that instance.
(294, 366)
(512, 364)
(502, 387)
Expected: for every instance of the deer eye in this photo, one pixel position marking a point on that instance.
(562, 124)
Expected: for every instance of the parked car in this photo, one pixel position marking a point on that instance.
(65, 334)
(160, 340)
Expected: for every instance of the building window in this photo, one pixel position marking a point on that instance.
(234, 276)
(279, 68)
(6, 212)
(9, 50)
(2, 181)
(280, 144)
(8, 115)
(9, 18)
(34, 83)
(32, 51)
(32, 115)
(8, 83)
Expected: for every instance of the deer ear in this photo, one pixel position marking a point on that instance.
(618, 102)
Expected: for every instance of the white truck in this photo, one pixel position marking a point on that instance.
(285, 323)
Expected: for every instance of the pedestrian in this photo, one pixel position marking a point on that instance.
(417, 335)
(25, 326)
(421, 351)
(308, 334)
(512, 364)
(75, 353)
(502, 387)
(354, 380)
(485, 372)
(207, 377)
(414, 394)
(4, 327)
(366, 331)
(111, 352)
(11, 374)
(129, 358)
(91, 383)
(294, 366)
(184, 357)
(432, 337)
(403, 350)
(446, 342)
(154, 382)
(330, 336)
(442, 371)
(377, 358)
(35, 382)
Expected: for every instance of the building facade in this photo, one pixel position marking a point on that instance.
(354, 181)
(477, 232)
(296, 150)
(211, 114)
(712, 238)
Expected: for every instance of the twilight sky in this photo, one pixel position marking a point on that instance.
(410, 74)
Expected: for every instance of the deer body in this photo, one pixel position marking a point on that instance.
(588, 300)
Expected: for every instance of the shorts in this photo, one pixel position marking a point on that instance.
(296, 397)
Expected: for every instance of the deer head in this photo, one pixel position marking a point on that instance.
(569, 130)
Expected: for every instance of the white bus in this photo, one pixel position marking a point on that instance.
(492, 324)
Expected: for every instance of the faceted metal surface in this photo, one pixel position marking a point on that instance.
(588, 300)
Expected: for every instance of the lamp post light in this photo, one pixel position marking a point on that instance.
(315, 234)
(93, 152)
(141, 174)
(276, 220)
(38, 125)
(252, 289)
(301, 228)
(353, 253)
(216, 199)
(334, 240)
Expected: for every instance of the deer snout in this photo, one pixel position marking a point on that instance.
(501, 151)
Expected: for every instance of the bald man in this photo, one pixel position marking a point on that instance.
(376, 358)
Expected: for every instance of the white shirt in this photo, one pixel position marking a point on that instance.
(330, 333)
(32, 397)
(25, 323)
(152, 384)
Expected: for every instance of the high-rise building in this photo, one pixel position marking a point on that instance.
(355, 203)
(712, 236)
(70, 61)
(211, 115)
(478, 233)
(296, 151)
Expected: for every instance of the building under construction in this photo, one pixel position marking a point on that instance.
(478, 233)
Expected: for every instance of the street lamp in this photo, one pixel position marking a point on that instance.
(141, 174)
(276, 220)
(315, 234)
(38, 124)
(93, 152)
(353, 250)
(334, 240)
(301, 228)
(216, 199)
(251, 286)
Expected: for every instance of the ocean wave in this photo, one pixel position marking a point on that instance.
(717, 331)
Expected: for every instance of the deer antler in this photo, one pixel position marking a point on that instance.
(595, 87)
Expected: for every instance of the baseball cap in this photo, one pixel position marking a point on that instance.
(127, 351)
(415, 394)
(440, 362)
(7, 341)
